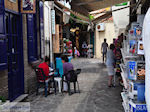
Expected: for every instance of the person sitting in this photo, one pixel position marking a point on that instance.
(66, 65)
(45, 67)
(46, 71)
(66, 68)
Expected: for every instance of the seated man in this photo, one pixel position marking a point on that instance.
(66, 68)
(45, 68)
(66, 65)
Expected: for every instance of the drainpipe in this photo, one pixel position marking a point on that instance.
(51, 4)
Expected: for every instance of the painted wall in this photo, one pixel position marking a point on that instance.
(47, 23)
(109, 34)
(120, 18)
(29, 74)
(146, 40)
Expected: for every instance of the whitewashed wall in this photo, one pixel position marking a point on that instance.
(121, 19)
(146, 40)
(109, 34)
(47, 24)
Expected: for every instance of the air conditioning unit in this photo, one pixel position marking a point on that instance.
(100, 27)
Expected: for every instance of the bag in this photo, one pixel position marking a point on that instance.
(71, 76)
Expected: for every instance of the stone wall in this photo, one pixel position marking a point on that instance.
(29, 74)
(4, 83)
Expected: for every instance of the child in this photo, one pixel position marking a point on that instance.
(110, 62)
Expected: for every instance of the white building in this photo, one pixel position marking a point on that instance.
(121, 18)
(108, 33)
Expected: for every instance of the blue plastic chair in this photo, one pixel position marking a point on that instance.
(59, 66)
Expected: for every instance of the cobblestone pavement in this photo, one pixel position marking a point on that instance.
(95, 96)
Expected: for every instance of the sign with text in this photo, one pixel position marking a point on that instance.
(28, 6)
(53, 21)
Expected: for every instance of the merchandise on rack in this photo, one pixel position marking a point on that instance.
(133, 71)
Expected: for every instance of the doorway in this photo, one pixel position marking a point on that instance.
(14, 51)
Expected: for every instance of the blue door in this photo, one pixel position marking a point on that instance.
(15, 71)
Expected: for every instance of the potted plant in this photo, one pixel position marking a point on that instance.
(3, 103)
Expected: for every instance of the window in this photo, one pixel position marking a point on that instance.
(32, 37)
(1, 21)
(1, 3)
(3, 40)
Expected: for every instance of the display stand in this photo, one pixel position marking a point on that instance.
(133, 69)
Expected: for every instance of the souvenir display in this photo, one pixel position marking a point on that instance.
(141, 71)
(140, 50)
(137, 107)
(134, 63)
(132, 47)
(132, 70)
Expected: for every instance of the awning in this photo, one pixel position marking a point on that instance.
(85, 6)
(85, 18)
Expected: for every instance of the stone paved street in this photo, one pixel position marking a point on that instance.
(95, 96)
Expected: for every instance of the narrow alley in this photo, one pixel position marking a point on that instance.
(95, 96)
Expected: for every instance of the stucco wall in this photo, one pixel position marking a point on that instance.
(120, 18)
(47, 27)
(109, 34)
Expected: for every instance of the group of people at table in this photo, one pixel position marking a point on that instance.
(49, 73)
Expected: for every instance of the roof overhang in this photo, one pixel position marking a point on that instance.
(86, 6)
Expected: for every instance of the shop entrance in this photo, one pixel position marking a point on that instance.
(15, 67)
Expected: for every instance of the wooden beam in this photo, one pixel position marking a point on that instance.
(73, 12)
(89, 2)
(110, 13)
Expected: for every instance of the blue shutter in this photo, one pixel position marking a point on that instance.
(41, 29)
(31, 37)
(3, 52)
(3, 40)
(2, 17)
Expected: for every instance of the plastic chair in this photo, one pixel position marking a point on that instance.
(59, 72)
(73, 79)
(43, 79)
(59, 67)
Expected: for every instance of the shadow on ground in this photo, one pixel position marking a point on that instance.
(101, 98)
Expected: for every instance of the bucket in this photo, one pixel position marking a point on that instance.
(141, 92)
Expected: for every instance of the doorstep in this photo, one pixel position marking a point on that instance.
(21, 98)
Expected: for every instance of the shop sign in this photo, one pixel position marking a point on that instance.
(28, 6)
(53, 21)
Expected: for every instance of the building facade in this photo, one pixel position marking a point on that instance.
(108, 33)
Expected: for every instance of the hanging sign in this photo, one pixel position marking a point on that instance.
(28, 6)
(53, 21)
